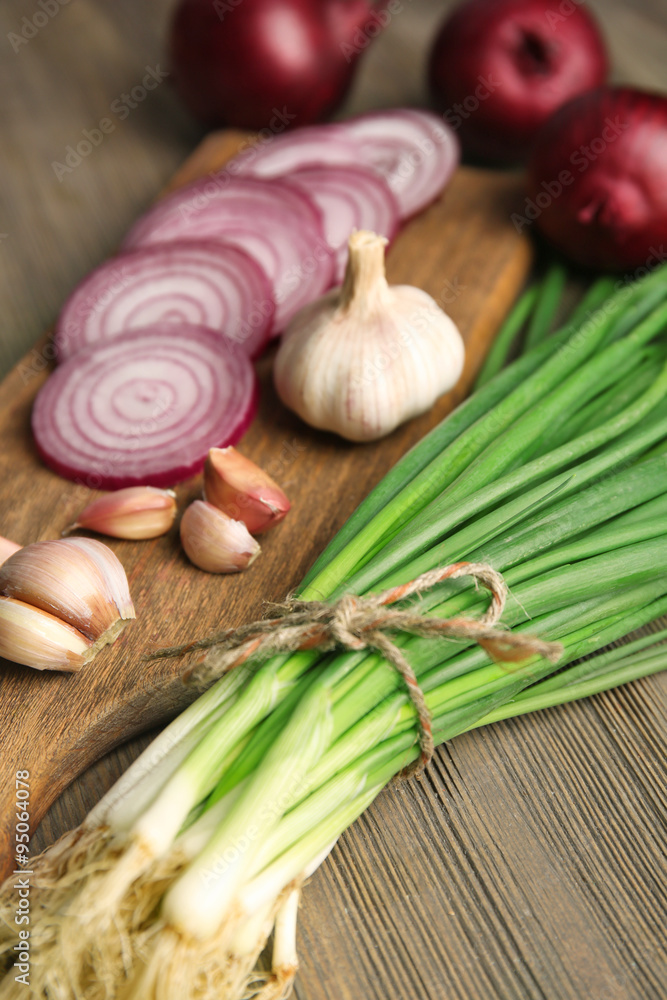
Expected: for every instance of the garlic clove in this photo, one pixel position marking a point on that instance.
(243, 491)
(7, 548)
(38, 639)
(134, 513)
(368, 356)
(215, 542)
(84, 586)
(112, 570)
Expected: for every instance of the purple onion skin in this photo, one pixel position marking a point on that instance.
(598, 179)
(273, 64)
(499, 69)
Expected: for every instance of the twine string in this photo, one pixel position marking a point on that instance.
(357, 623)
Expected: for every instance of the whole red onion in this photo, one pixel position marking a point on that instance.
(598, 179)
(500, 68)
(268, 63)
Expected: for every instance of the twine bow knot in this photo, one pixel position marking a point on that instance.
(357, 623)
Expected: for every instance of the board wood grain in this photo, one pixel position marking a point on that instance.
(463, 251)
(531, 864)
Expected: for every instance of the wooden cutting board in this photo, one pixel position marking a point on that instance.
(465, 252)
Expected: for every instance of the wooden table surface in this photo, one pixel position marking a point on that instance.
(546, 860)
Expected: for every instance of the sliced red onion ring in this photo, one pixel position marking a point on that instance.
(349, 198)
(272, 221)
(206, 284)
(145, 407)
(313, 146)
(414, 150)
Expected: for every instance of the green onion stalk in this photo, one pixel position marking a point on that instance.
(534, 312)
(554, 472)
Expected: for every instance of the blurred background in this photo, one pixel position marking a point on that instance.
(56, 224)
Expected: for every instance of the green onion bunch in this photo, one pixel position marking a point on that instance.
(554, 472)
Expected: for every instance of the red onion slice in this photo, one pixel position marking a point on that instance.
(313, 146)
(205, 284)
(275, 223)
(349, 198)
(414, 150)
(145, 407)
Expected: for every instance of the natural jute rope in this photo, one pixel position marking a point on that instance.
(357, 623)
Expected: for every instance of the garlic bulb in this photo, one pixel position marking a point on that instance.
(136, 512)
(215, 542)
(61, 601)
(368, 356)
(243, 491)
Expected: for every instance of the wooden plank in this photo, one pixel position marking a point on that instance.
(528, 863)
(465, 252)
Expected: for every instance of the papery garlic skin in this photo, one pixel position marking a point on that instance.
(84, 586)
(215, 542)
(134, 513)
(61, 602)
(111, 569)
(37, 639)
(238, 487)
(368, 356)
